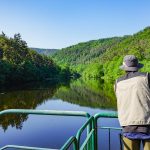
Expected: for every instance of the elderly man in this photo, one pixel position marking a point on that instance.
(133, 102)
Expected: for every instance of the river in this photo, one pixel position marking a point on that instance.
(92, 96)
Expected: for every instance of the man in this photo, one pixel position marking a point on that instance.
(133, 102)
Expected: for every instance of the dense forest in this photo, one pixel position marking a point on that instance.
(94, 59)
(20, 64)
(102, 58)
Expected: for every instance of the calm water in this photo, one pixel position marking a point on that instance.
(91, 96)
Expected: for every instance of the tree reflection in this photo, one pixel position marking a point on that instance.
(23, 99)
(92, 93)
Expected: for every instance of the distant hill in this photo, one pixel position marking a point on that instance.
(105, 49)
(88, 57)
(85, 52)
(45, 51)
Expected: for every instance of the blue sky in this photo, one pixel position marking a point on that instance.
(61, 23)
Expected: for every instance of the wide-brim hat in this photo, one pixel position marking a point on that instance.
(130, 63)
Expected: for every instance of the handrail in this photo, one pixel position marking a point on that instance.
(106, 115)
(45, 112)
(24, 147)
(90, 124)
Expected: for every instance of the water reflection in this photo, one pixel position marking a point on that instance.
(89, 93)
(23, 99)
(92, 96)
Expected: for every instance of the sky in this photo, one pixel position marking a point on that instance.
(61, 23)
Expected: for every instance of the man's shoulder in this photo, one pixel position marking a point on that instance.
(131, 75)
(121, 78)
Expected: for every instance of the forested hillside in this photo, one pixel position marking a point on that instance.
(44, 51)
(93, 59)
(137, 44)
(19, 64)
(102, 58)
(85, 53)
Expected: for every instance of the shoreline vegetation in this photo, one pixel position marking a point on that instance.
(102, 58)
(96, 59)
(20, 64)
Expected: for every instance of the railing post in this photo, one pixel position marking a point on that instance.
(93, 137)
(95, 134)
(109, 138)
(89, 128)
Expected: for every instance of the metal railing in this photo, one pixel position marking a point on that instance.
(91, 140)
(71, 141)
(91, 125)
(66, 146)
(96, 127)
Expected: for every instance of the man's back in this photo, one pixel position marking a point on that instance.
(133, 99)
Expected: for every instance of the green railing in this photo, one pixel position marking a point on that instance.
(90, 140)
(96, 127)
(24, 147)
(66, 146)
(72, 141)
(91, 125)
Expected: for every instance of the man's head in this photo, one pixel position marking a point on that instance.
(130, 63)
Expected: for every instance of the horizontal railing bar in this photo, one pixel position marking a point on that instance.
(25, 147)
(106, 115)
(45, 112)
(113, 128)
